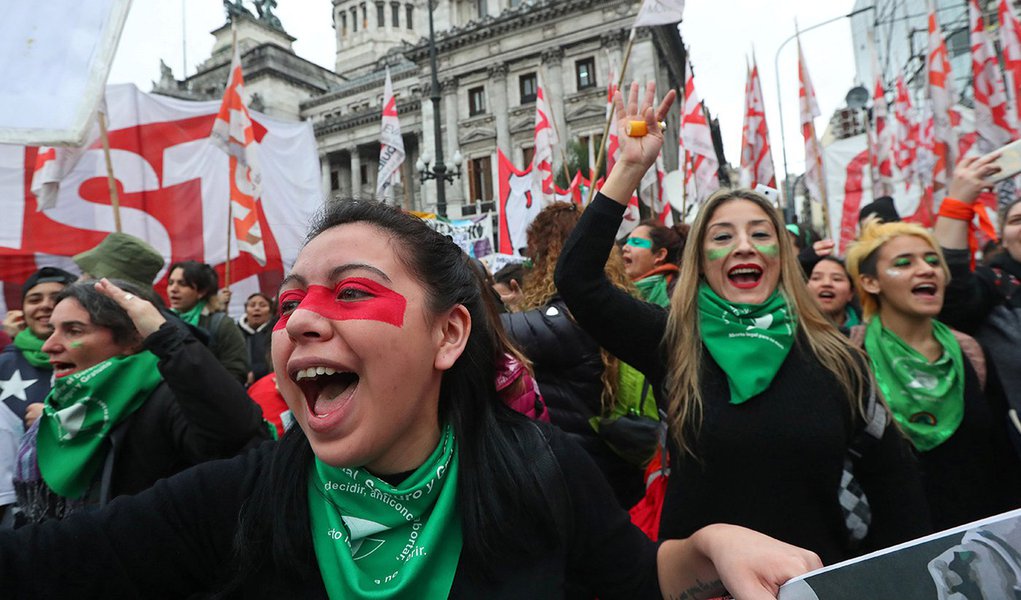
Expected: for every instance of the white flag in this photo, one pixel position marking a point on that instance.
(542, 159)
(391, 144)
(659, 12)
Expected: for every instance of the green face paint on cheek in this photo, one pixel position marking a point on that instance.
(719, 253)
(768, 249)
(75, 344)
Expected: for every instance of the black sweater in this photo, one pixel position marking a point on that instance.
(772, 463)
(174, 540)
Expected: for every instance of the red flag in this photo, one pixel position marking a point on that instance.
(1010, 43)
(756, 158)
(941, 90)
(542, 158)
(697, 139)
(993, 121)
(814, 178)
(880, 135)
(233, 131)
(518, 206)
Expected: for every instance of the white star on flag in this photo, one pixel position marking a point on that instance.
(15, 387)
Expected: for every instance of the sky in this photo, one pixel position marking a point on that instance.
(720, 35)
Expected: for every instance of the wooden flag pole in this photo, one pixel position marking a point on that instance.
(609, 120)
(110, 179)
(233, 163)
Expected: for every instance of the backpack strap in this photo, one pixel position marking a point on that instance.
(973, 352)
(214, 325)
(553, 484)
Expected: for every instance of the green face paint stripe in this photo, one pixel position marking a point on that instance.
(75, 344)
(639, 243)
(768, 249)
(719, 253)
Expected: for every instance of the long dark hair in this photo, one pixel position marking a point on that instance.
(103, 311)
(496, 486)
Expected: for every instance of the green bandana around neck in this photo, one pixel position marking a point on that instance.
(79, 413)
(654, 289)
(748, 341)
(927, 398)
(374, 540)
(191, 316)
(850, 318)
(31, 347)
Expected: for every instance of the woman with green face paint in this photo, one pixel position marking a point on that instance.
(933, 378)
(650, 256)
(763, 394)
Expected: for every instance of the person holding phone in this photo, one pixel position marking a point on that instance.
(984, 301)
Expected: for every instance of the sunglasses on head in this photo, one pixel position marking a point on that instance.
(637, 242)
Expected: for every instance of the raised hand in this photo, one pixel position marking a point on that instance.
(970, 177)
(637, 154)
(144, 315)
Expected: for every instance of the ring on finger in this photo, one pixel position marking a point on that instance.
(129, 297)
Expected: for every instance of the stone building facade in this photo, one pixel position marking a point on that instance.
(491, 55)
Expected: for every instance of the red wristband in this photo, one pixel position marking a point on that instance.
(955, 209)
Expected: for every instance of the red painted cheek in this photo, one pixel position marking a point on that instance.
(378, 303)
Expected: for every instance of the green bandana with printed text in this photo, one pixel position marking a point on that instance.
(748, 341)
(374, 540)
(79, 413)
(927, 398)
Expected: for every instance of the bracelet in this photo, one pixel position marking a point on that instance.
(957, 210)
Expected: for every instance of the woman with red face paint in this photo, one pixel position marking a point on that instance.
(406, 477)
(134, 399)
(763, 395)
(933, 378)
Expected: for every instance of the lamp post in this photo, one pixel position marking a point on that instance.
(439, 170)
(788, 189)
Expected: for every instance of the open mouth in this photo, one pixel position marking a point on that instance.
(61, 369)
(326, 389)
(924, 289)
(745, 276)
(826, 295)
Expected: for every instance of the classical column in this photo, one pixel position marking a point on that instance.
(427, 149)
(497, 99)
(356, 173)
(614, 41)
(451, 114)
(324, 164)
(552, 60)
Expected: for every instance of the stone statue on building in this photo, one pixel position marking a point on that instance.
(236, 8)
(265, 10)
(167, 80)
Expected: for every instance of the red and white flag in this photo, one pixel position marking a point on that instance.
(391, 144)
(905, 133)
(1010, 44)
(815, 181)
(756, 158)
(881, 133)
(172, 184)
(659, 12)
(542, 158)
(697, 139)
(993, 120)
(233, 132)
(941, 92)
(612, 141)
(518, 205)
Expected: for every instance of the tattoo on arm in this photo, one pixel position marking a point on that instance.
(701, 590)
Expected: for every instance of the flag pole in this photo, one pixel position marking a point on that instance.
(110, 179)
(609, 120)
(230, 203)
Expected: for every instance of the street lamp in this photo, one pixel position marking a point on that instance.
(439, 170)
(788, 189)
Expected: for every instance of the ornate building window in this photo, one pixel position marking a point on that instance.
(343, 22)
(529, 86)
(476, 101)
(481, 8)
(380, 15)
(410, 17)
(585, 72)
(354, 19)
(528, 154)
(365, 16)
(395, 14)
(480, 180)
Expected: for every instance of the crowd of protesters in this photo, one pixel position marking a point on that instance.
(398, 422)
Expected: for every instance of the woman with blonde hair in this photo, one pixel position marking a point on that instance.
(932, 376)
(578, 380)
(764, 396)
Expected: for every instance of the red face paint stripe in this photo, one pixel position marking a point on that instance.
(354, 299)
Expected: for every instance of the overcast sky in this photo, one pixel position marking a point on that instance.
(719, 33)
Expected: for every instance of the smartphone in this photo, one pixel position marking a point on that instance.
(771, 194)
(1009, 162)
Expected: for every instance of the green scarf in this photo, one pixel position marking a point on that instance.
(654, 289)
(79, 413)
(748, 341)
(31, 348)
(373, 540)
(191, 316)
(850, 318)
(927, 398)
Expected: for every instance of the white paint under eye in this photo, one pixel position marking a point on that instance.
(894, 272)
